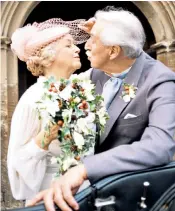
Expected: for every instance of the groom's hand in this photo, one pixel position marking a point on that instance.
(87, 25)
(62, 190)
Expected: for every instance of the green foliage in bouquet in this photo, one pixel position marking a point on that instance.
(74, 106)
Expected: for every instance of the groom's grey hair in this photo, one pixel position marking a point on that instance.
(122, 28)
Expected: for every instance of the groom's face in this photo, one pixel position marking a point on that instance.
(97, 53)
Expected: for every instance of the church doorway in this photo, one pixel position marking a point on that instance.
(75, 10)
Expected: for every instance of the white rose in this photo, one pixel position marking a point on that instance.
(102, 121)
(101, 113)
(89, 95)
(126, 98)
(68, 162)
(66, 93)
(132, 93)
(90, 118)
(79, 140)
(82, 125)
(67, 114)
(87, 85)
(77, 100)
(53, 160)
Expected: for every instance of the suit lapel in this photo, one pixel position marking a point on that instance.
(118, 104)
(100, 83)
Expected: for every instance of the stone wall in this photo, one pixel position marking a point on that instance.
(166, 52)
(9, 96)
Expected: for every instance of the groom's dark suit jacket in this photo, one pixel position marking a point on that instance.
(145, 140)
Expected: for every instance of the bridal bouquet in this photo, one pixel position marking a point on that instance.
(73, 105)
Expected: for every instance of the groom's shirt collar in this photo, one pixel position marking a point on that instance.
(121, 75)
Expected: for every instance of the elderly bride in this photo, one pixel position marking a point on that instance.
(48, 49)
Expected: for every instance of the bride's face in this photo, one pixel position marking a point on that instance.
(67, 54)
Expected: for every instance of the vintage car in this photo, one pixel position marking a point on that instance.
(147, 190)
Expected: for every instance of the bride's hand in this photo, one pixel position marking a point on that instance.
(44, 138)
(87, 25)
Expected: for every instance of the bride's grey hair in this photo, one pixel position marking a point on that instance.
(122, 28)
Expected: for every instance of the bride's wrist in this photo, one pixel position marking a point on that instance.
(42, 142)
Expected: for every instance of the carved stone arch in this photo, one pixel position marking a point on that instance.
(161, 16)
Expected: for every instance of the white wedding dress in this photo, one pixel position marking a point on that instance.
(29, 167)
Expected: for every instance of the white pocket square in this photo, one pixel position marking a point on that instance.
(128, 116)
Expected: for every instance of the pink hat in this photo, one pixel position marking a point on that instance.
(26, 41)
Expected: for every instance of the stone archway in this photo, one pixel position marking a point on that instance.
(13, 15)
(160, 15)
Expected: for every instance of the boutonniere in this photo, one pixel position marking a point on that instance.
(129, 92)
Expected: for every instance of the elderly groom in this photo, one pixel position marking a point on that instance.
(139, 133)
